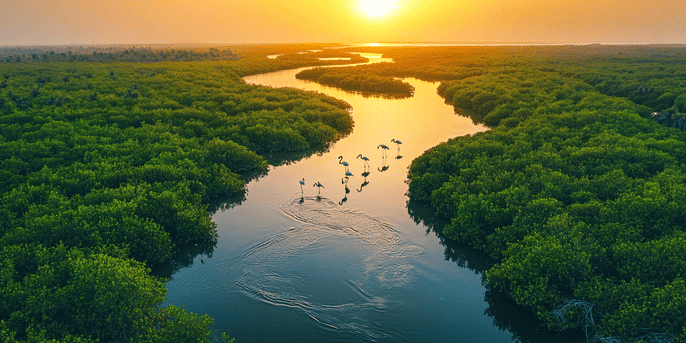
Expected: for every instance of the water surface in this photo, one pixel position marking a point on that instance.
(352, 264)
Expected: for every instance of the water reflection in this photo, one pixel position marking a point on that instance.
(465, 256)
(521, 322)
(507, 315)
(344, 181)
(476, 118)
(384, 164)
(183, 258)
(292, 267)
(365, 174)
(185, 254)
(229, 202)
(288, 158)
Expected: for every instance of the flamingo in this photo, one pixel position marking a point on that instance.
(302, 183)
(383, 149)
(344, 163)
(319, 187)
(348, 174)
(397, 142)
(366, 160)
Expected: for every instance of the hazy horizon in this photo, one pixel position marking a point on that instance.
(230, 22)
(368, 44)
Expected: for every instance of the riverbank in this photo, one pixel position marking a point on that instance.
(108, 168)
(576, 193)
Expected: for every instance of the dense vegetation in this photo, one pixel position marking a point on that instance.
(429, 63)
(113, 54)
(577, 193)
(363, 79)
(106, 168)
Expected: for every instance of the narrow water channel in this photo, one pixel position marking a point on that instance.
(352, 265)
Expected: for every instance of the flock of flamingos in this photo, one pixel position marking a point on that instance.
(348, 174)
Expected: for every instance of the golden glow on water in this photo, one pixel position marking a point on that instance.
(420, 122)
(350, 265)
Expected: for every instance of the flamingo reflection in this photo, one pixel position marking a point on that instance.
(344, 181)
(384, 164)
(364, 183)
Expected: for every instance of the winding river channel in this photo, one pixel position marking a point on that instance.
(357, 264)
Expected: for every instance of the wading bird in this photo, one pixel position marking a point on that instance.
(302, 183)
(383, 149)
(344, 163)
(366, 161)
(319, 187)
(397, 142)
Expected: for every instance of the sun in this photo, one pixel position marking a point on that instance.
(377, 8)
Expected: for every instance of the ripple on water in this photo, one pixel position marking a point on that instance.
(338, 266)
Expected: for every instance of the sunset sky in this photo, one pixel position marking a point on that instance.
(29, 22)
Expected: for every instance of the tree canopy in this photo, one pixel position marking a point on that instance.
(107, 168)
(577, 192)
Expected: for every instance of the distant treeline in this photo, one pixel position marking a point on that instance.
(107, 168)
(257, 63)
(577, 191)
(34, 55)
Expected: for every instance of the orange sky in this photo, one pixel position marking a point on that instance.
(27, 22)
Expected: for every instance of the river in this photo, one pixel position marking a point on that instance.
(352, 265)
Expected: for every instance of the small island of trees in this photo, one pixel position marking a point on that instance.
(358, 79)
